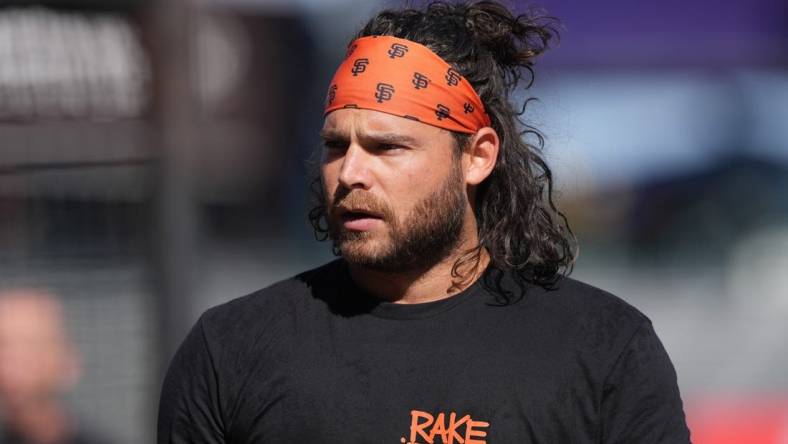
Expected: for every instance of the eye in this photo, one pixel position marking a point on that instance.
(334, 145)
(389, 147)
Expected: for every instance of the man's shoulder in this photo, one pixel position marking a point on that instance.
(585, 299)
(586, 306)
(596, 324)
(275, 300)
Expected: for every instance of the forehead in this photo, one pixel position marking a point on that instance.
(348, 121)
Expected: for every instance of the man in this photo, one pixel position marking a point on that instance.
(38, 364)
(447, 318)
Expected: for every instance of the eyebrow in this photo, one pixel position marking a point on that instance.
(331, 135)
(392, 138)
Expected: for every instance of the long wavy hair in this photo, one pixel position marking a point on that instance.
(518, 222)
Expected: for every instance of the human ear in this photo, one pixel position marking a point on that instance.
(481, 155)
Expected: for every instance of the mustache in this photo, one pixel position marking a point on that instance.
(359, 201)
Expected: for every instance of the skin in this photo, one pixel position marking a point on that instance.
(399, 163)
(37, 364)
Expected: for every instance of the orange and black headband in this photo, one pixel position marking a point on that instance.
(406, 79)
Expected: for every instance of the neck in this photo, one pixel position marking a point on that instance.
(418, 286)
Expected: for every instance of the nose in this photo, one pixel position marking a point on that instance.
(354, 172)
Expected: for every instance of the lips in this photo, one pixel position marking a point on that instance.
(357, 214)
(358, 219)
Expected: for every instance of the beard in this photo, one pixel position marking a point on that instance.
(424, 237)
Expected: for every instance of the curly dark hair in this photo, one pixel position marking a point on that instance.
(518, 222)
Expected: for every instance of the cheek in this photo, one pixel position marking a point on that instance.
(412, 183)
(408, 173)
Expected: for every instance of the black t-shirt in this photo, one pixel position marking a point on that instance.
(313, 359)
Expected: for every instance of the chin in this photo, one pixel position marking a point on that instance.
(365, 252)
(360, 250)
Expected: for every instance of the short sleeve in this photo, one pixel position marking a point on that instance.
(189, 408)
(641, 402)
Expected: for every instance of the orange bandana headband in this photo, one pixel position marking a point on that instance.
(404, 78)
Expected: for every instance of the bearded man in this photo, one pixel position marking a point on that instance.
(448, 317)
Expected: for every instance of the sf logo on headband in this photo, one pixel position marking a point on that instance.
(332, 94)
(384, 92)
(452, 77)
(350, 50)
(420, 80)
(442, 112)
(359, 66)
(397, 50)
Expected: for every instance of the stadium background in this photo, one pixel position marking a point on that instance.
(154, 159)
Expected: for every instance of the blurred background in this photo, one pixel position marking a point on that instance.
(154, 162)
